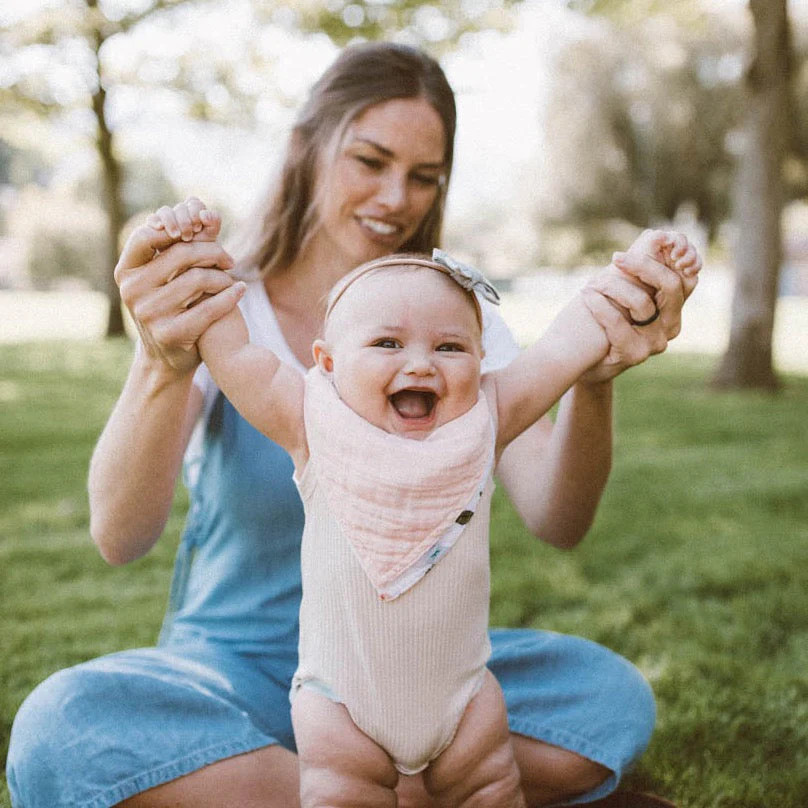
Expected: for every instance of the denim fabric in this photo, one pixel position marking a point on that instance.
(217, 683)
(576, 694)
(237, 576)
(102, 731)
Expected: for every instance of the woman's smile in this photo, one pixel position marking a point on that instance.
(381, 231)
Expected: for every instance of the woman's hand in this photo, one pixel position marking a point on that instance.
(171, 280)
(648, 284)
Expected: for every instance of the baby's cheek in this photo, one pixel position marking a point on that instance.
(472, 392)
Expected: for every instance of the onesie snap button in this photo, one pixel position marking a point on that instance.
(464, 517)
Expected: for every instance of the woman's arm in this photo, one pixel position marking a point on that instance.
(555, 473)
(136, 462)
(525, 389)
(135, 465)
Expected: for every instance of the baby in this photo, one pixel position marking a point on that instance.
(394, 434)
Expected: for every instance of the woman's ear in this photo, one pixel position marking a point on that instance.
(322, 356)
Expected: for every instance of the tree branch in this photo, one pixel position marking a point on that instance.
(131, 20)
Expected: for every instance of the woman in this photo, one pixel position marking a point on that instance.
(203, 719)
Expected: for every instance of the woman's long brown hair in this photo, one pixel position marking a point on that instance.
(363, 75)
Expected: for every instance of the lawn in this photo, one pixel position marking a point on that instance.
(696, 568)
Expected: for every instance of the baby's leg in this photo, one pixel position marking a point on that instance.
(478, 769)
(340, 766)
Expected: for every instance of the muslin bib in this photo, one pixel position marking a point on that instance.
(402, 503)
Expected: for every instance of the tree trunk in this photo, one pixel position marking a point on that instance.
(111, 176)
(758, 203)
(112, 201)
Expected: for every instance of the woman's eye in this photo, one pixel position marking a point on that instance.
(370, 162)
(425, 179)
(386, 343)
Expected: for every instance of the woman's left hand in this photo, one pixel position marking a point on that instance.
(657, 274)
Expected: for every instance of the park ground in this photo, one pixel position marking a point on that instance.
(696, 568)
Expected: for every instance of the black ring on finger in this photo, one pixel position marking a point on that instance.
(648, 321)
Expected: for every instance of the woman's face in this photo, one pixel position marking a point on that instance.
(385, 178)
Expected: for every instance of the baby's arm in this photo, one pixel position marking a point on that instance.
(527, 388)
(267, 393)
(575, 342)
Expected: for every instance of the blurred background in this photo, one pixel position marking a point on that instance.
(580, 123)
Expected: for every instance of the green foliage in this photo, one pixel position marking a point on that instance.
(661, 85)
(65, 237)
(89, 57)
(419, 21)
(21, 166)
(662, 100)
(696, 567)
(6, 157)
(687, 12)
(145, 187)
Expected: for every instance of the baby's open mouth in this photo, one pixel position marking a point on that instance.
(413, 403)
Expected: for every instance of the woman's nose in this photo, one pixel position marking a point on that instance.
(392, 192)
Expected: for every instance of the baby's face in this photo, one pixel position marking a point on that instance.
(404, 350)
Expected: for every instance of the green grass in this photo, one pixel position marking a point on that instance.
(696, 568)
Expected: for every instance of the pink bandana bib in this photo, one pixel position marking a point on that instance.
(401, 503)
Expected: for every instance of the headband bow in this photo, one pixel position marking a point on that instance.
(471, 279)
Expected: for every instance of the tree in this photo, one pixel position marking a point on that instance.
(82, 28)
(57, 64)
(759, 188)
(759, 196)
(636, 129)
(78, 36)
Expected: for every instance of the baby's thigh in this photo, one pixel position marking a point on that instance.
(340, 766)
(478, 769)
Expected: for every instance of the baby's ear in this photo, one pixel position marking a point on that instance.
(322, 355)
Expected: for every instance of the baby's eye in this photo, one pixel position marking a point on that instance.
(387, 342)
(451, 346)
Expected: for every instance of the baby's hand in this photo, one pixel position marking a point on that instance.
(680, 255)
(670, 248)
(187, 221)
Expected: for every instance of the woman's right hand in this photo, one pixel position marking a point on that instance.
(171, 278)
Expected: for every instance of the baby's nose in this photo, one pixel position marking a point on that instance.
(419, 363)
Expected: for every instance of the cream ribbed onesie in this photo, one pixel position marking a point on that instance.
(404, 651)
